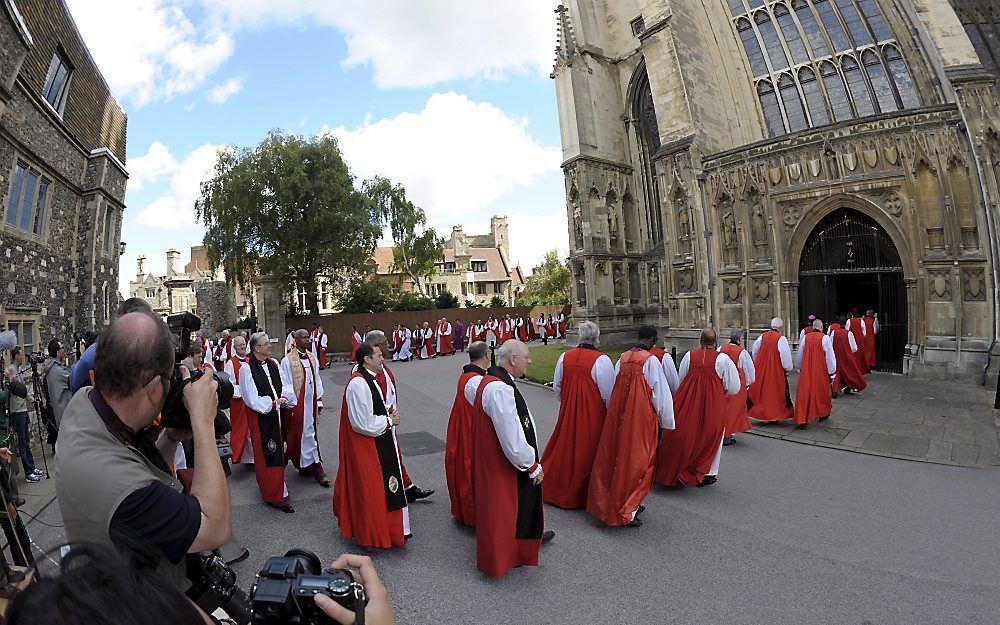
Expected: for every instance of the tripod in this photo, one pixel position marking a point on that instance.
(41, 405)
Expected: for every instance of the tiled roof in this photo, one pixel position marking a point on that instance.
(496, 265)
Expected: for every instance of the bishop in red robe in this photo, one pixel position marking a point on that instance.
(640, 406)
(737, 417)
(817, 365)
(690, 453)
(368, 498)
(458, 443)
(320, 343)
(582, 382)
(355, 340)
(507, 475)
(300, 372)
(239, 438)
(848, 377)
(856, 326)
(444, 336)
(772, 359)
(871, 329)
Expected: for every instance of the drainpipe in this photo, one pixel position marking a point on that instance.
(702, 177)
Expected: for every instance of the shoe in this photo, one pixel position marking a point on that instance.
(641, 509)
(414, 493)
(836, 395)
(323, 481)
(730, 440)
(824, 418)
(38, 473)
(287, 509)
(31, 478)
(548, 535)
(407, 537)
(708, 480)
(636, 522)
(803, 426)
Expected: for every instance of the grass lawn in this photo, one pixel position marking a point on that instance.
(544, 357)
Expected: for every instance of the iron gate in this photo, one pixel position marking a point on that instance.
(850, 262)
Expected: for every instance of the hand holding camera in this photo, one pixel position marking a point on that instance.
(202, 401)
(378, 611)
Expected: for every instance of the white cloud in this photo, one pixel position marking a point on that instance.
(154, 164)
(455, 157)
(149, 49)
(174, 209)
(222, 92)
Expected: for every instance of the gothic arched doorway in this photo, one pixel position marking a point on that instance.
(850, 262)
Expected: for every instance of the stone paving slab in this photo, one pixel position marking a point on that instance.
(905, 417)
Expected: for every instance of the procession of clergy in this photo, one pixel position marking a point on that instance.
(620, 428)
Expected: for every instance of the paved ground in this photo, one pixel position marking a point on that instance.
(790, 534)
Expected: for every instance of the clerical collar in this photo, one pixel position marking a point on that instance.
(588, 346)
(471, 368)
(503, 374)
(373, 374)
(641, 346)
(302, 354)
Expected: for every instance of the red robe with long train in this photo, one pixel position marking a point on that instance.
(496, 481)
(848, 375)
(530, 324)
(769, 392)
(238, 416)
(359, 496)
(812, 398)
(859, 339)
(569, 454)
(870, 341)
(736, 420)
(458, 454)
(626, 455)
(686, 452)
(447, 347)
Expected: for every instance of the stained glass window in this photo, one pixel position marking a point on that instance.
(901, 76)
(815, 101)
(793, 103)
(835, 90)
(769, 104)
(772, 41)
(855, 25)
(859, 89)
(884, 95)
(752, 47)
(831, 22)
(791, 33)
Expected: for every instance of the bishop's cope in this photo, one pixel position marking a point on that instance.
(507, 475)
(818, 367)
(640, 406)
(458, 442)
(772, 359)
(300, 372)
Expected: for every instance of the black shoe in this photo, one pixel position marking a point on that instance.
(636, 522)
(708, 480)
(548, 535)
(848, 391)
(414, 493)
(836, 395)
(730, 440)
(824, 418)
(803, 426)
(287, 509)
(407, 537)
(641, 509)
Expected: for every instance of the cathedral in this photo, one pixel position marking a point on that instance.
(730, 161)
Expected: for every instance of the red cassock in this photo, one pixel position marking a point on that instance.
(321, 351)
(458, 454)
(497, 547)
(686, 453)
(359, 496)
(848, 374)
(769, 392)
(861, 355)
(736, 405)
(812, 398)
(237, 417)
(429, 343)
(562, 327)
(569, 454)
(446, 340)
(532, 333)
(522, 332)
(623, 466)
(870, 341)
(354, 344)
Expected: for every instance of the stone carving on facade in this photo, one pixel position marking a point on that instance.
(685, 280)
(893, 203)
(731, 291)
(974, 285)
(613, 225)
(654, 283)
(939, 285)
(870, 156)
(601, 267)
(791, 214)
(970, 238)
(682, 208)
(634, 288)
(762, 291)
(580, 277)
(618, 281)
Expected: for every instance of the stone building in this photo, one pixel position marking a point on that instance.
(62, 177)
(176, 291)
(728, 161)
(474, 267)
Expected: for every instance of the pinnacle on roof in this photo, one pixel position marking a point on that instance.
(566, 47)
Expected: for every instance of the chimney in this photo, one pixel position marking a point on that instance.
(140, 269)
(498, 229)
(458, 241)
(173, 262)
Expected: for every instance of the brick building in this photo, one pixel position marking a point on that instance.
(62, 177)
(729, 161)
(176, 291)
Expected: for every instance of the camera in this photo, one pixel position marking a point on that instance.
(36, 358)
(175, 413)
(285, 588)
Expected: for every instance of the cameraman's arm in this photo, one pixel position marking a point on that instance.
(208, 484)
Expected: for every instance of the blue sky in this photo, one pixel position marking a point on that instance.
(449, 97)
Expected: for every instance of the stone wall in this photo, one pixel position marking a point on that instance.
(215, 306)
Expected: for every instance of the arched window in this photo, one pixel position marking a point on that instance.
(815, 101)
(831, 22)
(875, 19)
(836, 91)
(752, 47)
(755, 3)
(772, 41)
(858, 87)
(647, 131)
(855, 25)
(813, 32)
(792, 103)
(884, 95)
(791, 33)
(736, 7)
(769, 104)
(901, 76)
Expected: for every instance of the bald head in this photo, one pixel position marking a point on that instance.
(709, 337)
(302, 339)
(134, 349)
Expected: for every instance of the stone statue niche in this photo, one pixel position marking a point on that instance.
(654, 283)
(618, 281)
(730, 238)
(682, 208)
(614, 234)
(580, 278)
(576, 217)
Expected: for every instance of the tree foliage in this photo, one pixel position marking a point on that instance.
(414, 301)
(288, 208)
(446, 300)
(497, 302)
(367, 295)
(549, 284)
(416, 247)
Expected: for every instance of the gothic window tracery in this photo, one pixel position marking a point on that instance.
(984, 32)
(866, 76)
(644, 114)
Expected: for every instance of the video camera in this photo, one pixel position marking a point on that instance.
(175, 413)
(36, 358)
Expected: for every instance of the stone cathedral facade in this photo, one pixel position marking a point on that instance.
(729, 161)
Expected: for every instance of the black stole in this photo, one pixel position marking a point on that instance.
(268, 424)
(529, 495)
(471, 368)
(385, 446)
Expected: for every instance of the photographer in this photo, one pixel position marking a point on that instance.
(18, 407)
(57, 379)
(115, 485)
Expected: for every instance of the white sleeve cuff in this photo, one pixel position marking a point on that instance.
(534, 471)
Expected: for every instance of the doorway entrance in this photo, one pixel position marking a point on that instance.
(849, 262)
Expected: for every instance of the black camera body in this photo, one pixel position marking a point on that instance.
(285, 588)
(36, 358)
(175, 413)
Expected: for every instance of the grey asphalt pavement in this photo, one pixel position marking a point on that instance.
(791, 533)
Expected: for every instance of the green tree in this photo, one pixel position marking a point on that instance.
(549, 284)
(414, 301)
(367, 295)
(416, 248)
(446, 300)
(497, 302)
(288, 208)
